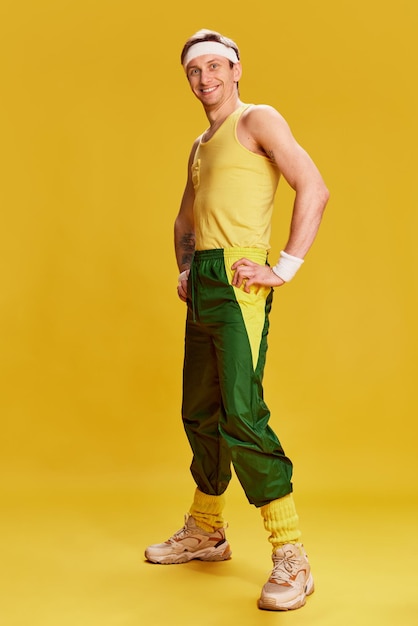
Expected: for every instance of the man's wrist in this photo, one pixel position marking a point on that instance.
(183, 275)
(287, 266)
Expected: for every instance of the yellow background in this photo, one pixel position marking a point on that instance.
(96, 123)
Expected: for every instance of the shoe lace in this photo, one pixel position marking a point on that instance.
(187, 531)
(286, 565)
(182, 532)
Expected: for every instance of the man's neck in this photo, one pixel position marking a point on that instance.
(217, 115)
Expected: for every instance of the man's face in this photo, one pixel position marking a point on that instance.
(212, 79)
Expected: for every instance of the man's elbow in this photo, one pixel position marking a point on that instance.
(323, 196)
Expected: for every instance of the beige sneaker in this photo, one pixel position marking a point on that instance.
(290, 581)
(188, 543)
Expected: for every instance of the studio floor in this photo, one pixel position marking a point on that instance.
(72, 555)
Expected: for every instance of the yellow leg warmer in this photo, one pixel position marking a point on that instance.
(281, 521)
(207, 511)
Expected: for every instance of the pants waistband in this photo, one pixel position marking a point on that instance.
(254, 254)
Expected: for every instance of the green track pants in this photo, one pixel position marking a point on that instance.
(224, 413)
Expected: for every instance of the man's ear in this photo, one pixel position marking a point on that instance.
(237, 69)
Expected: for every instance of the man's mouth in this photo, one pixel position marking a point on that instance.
(209, 89)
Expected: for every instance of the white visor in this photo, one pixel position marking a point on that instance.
(209, 47)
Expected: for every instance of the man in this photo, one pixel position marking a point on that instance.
(222, 236)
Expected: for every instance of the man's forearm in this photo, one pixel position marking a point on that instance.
(306, 219)
(184, 247)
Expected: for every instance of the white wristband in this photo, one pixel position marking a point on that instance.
(183, 276)
(287, 266)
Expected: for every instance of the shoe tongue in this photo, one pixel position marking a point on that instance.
(286, 551)
(191, 522)
(280, 553)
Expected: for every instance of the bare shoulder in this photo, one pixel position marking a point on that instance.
(263, 130)
(262, 115)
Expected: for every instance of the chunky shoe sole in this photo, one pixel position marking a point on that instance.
(270, 603)
(220, 553)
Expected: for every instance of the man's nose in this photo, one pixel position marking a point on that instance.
(204, 76)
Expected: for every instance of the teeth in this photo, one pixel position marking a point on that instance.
(209, 90)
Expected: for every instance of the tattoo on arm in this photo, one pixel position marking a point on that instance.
(187, 246)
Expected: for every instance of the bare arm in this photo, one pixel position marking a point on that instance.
(274, 136)
(271, 134)
(184, 235)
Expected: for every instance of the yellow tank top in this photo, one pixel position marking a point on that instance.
(234, 191)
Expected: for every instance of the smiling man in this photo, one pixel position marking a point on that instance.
(222, 240)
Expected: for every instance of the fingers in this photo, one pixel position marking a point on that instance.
(241, 270)
(182, 290)
(251, 282)
(245, 270)
(248, 275)
(243, 261)
(182, 285)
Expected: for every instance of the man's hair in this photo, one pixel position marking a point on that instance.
(208, 35)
